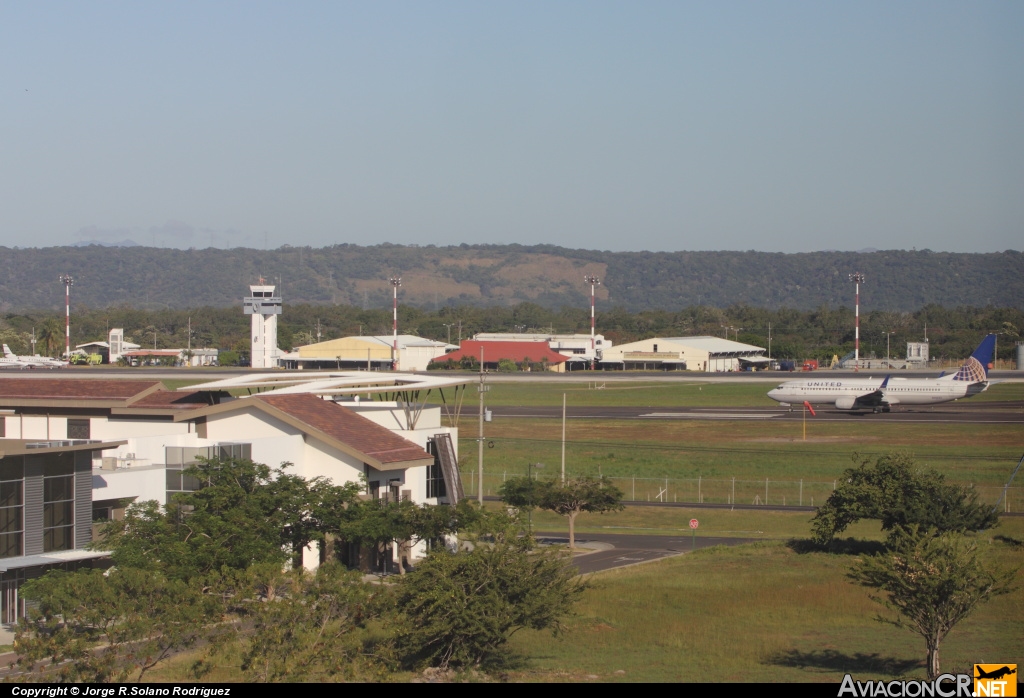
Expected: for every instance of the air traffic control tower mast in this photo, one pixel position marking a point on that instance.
(264, 306)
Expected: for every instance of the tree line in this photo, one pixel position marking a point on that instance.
(502, 275)
(953, 332)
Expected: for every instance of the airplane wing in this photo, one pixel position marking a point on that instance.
(876, 398)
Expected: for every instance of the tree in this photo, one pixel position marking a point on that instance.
(575, 496)
(899, 493)
(306, 629)
(933, 581)
(460, 609)
(139, 617)
(51, 336)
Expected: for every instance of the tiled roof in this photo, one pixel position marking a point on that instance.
(496, 351)
(345, 426)
(72, 389)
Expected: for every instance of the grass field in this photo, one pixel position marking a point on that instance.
(758, 612)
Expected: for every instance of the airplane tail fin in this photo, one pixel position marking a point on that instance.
(976, 368)
(8, 353)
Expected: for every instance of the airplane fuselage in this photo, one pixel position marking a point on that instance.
(851, 393)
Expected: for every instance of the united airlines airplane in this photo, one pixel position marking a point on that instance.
(879, 395)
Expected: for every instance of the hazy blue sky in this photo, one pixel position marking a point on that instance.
(780, 126)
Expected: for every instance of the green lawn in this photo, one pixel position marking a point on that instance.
(758, 612)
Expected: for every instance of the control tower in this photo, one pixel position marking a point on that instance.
(264, 306)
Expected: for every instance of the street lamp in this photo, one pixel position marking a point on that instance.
(888, 361)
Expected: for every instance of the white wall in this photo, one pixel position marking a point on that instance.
(246, 425)
(142, 484)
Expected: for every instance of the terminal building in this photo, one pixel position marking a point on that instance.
(74, 451)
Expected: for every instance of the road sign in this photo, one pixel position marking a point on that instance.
(693, 523)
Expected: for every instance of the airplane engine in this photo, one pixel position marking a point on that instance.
(846, 403)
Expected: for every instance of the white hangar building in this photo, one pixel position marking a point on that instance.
(710, 354)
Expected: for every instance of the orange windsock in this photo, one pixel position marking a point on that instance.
(808, 406)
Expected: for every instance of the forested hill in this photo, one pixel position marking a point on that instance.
(488, 275)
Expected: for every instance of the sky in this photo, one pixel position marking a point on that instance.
(776, 126)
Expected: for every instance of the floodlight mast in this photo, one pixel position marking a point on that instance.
(68, 282)
(857, 278)
(594, 283)
(396, 281)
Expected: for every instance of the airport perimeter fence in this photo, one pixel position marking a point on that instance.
(742, 491)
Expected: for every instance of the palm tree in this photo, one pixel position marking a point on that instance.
(51, 336)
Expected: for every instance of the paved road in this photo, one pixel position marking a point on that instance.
(624, 549)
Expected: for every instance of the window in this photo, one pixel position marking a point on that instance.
(435, 480)
(12, 509)
(59, 502)
(178, 459)
(78, 429)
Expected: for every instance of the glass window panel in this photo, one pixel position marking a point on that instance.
(58, 489)
(174, 480)
(10, 494)
(172, 455)
(12, 468)
(10, 544)
(10, 519)
(58, 538)
(58, 464)
(58, 514)
(190, 483)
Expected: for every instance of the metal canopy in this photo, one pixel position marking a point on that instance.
(407, 389)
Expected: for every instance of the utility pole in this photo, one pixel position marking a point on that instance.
(396, 281)
(68, 283)
(563, 438)
(480, 440)
(857, 278)
(594, 283)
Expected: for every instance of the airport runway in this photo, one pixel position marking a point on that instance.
(954, 413)
(625, 549)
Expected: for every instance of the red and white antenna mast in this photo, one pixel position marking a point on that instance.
(857, 278)
(68, 282)
(396, 281)
(594, 283)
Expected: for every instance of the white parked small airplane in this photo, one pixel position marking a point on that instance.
(879, 395)
(12, 360)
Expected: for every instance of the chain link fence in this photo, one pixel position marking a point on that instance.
(766, 492)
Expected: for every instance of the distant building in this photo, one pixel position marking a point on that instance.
(712, 354)
(520, 352)
(370, 353)
(575, 347)
(917, 353)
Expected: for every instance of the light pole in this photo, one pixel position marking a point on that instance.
(68, 282)
(888, 361)
(594, 283)
(529, 476)
(395, 281)
(449, 327)
(857, 278)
